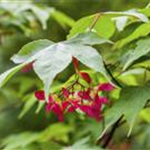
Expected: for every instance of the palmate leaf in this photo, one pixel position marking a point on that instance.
(49, 64)
(132, 100)
(50, 58)
(142, 48)
(59, 56)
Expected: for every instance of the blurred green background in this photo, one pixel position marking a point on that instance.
(20, 127)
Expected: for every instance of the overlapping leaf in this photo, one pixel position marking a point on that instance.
(133, 12)
(142, 48)
(50, 58)
(104, 23)
(132, 100)
(29, 16)
(142, 31)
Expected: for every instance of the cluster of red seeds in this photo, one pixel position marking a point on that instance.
(87, 100)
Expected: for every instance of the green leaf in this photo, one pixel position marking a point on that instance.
(89, 57)
(145, 11)
(17, 10)
(82, 144)
(121, 22)
(29, 103)
(81, 26)
(49, 64)
(59, 56)
(88, 38)
(42, 14)
(58, 131)
(30, 49)
(135, 96)
(39, 107)
(145, 115)
(4, 77)
(104, 26)
(142, 48)
(135, 71)
(132, 12)
(142, 31)
(50, 59)
(19, 141)
(111, 116)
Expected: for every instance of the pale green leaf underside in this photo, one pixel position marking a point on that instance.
(30, 49)
(121, 22)
(59, 56)
(88, 38)
(49, 64)
(132, 12)
(50, 59)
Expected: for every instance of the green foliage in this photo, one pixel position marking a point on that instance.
(19, 141)
(111, 47)
(51, 59)
(103, 26)
(30, 17)
(141, 31)
(142, 48)
(130, 96)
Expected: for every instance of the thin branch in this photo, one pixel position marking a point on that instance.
(111, 75)
(95, 21)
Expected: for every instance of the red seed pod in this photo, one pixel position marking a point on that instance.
(65, 92)
(105, 87)
(86, 77)
(40, 95)
(76, 64)
(27, 68)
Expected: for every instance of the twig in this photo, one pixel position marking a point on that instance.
(112, 132)
(111, 75)
(95, 21)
